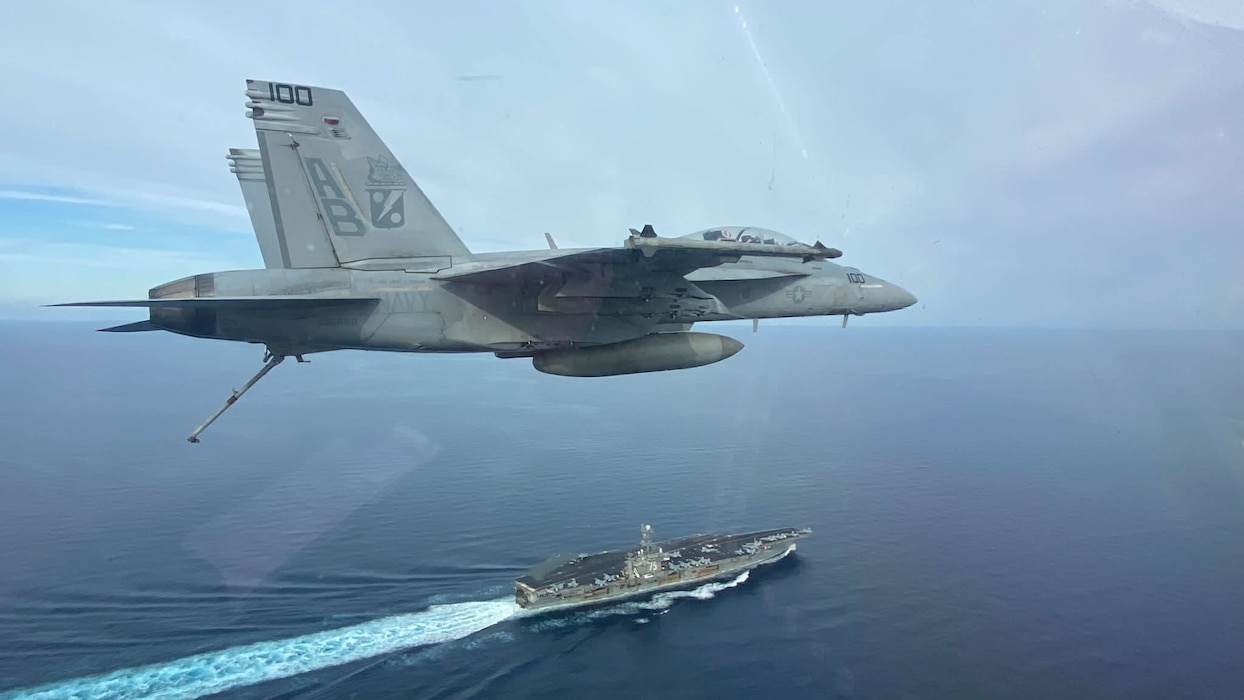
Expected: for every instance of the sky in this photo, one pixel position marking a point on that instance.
(1012, 163)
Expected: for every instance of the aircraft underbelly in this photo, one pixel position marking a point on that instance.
(413, 331)
(411, 315)
(394, 332)
(321, 327)
(513, 331)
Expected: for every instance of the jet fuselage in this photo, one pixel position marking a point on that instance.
(412, 312)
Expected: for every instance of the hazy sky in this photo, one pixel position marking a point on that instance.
(1051, 162)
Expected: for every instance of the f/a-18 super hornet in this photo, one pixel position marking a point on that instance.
(356, 257)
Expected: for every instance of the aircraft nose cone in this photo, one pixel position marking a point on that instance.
(903, 298)
(887, 296)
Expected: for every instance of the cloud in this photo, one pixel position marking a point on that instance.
(133, 199)
(19, 195)
(38, 272)
(1070, 158)
(86, 255)
(1219, 13)
(102, 255)
(103, 225)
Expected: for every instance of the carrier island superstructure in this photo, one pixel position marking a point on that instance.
(591, 579)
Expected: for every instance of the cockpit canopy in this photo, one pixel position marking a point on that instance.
(744, 234)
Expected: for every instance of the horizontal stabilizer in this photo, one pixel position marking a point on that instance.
(266, 302)
(136, 327)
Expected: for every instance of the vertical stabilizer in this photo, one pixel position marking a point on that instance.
(330, 174)
(247, 164)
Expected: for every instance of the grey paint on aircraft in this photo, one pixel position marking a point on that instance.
(367, 262)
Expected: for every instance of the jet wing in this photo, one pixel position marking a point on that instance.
(136, 327)
(552, 264)
(639, 255)
(735, 274)
(261, 302)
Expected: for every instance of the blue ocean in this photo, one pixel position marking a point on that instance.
(995, 513)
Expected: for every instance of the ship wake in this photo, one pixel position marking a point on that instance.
(218, 671)
(235, 667)
(658, 604)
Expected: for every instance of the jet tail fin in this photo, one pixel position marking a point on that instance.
(332, 178)
(247, 164)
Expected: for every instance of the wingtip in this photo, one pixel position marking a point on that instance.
(80, 303)
(136, 327)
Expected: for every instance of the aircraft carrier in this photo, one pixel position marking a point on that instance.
(591, 579)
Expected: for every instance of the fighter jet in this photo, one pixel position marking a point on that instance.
(356, 257)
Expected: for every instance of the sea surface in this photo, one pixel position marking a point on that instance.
(995, 514)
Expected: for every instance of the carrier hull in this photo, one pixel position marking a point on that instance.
(620, 574)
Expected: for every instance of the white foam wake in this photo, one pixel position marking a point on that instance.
(235, 667)
(217, 671)
(661, 601)
(658, 603)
